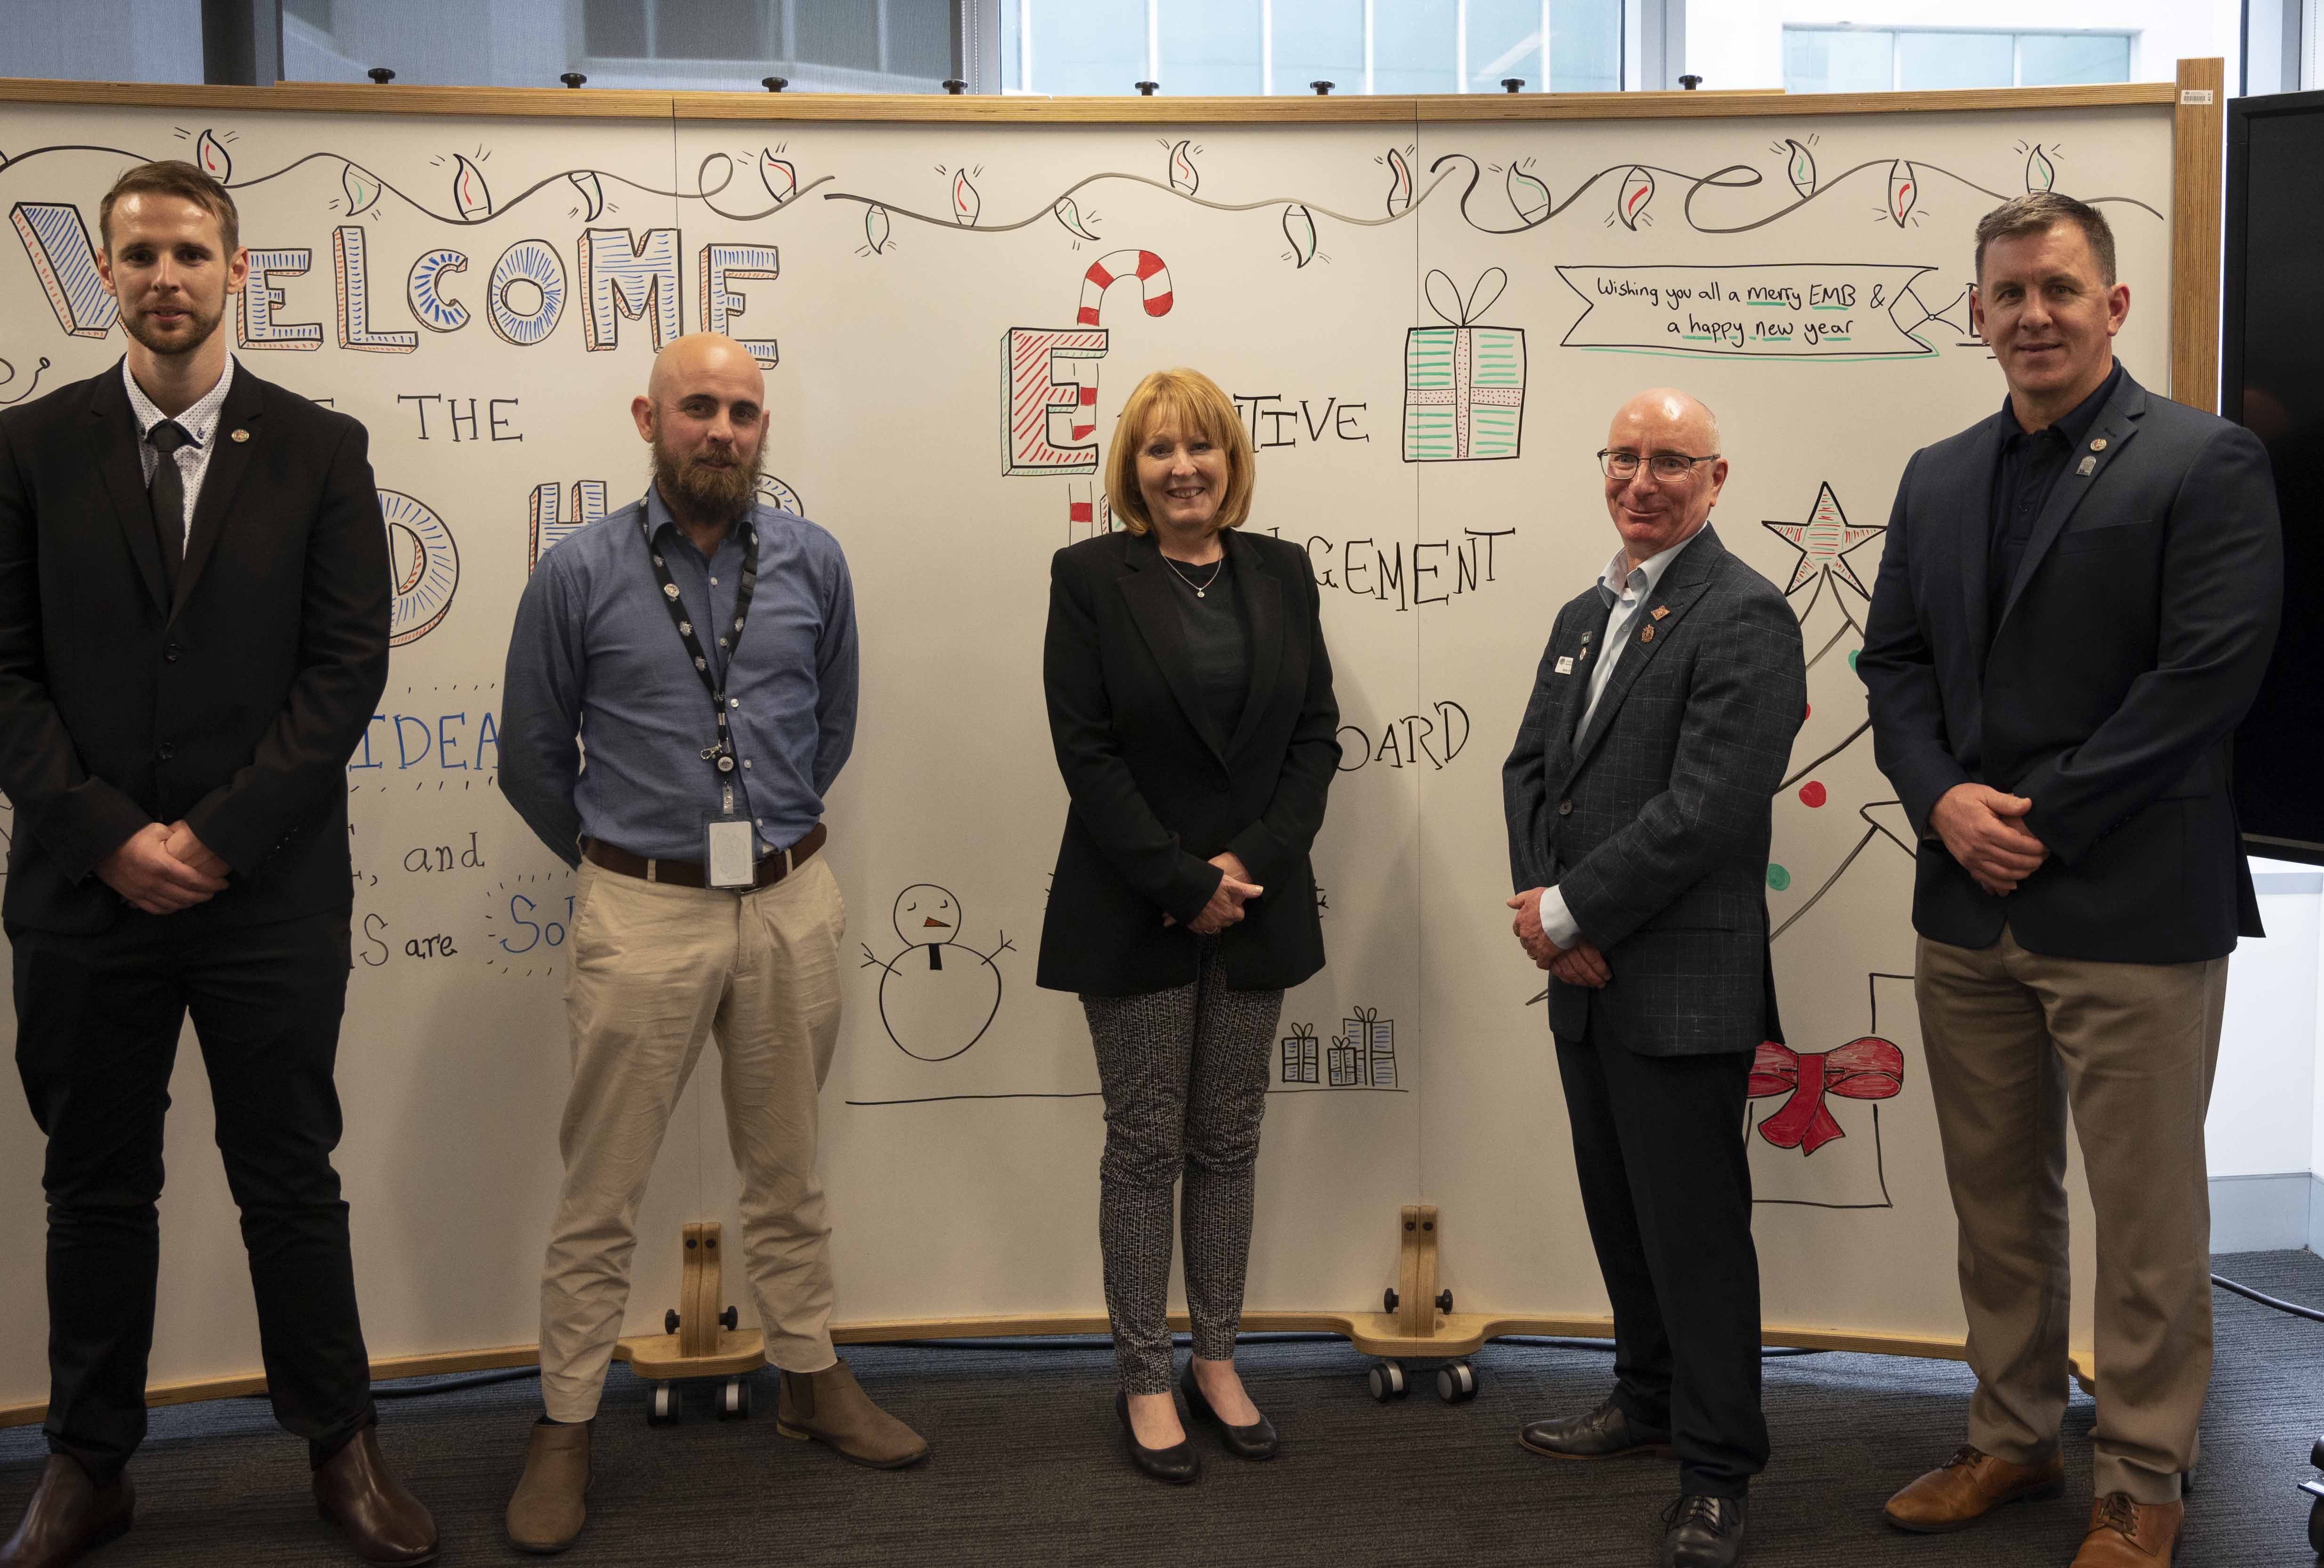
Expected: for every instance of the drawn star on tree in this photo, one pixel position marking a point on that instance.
(1823, 541)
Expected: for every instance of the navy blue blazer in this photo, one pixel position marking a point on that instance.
(2133, 638)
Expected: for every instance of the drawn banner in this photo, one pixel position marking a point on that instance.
(1778, 310)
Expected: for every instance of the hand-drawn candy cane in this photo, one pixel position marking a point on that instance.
(1049, 375)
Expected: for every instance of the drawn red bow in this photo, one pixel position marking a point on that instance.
(1869, 1068)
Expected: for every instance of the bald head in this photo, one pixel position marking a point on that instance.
(1655, 511)
(705, 413)
(700, 355)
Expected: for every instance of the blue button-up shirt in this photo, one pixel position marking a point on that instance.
(594, 662)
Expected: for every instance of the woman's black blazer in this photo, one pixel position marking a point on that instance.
(1157, 789)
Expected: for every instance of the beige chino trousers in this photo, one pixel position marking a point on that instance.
(656, 970)
(2013, 1040)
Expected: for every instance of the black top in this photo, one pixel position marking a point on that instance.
(1218, 639)
(1158, 787)
(2030, 464)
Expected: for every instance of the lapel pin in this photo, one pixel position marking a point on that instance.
(1647, 635)
(2089, 466)
(2099, 444)
(1661, 611)
(242, 435)
(1565, 667)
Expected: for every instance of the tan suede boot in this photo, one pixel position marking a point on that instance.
(548, 1511)
(831, 1408)
(2129, 1535)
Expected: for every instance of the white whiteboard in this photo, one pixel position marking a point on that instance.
(465, 287)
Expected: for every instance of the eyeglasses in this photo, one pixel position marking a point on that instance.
(1663, 465)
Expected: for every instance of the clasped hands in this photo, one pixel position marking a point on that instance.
(1235, 891)
(1580, 965)
(163, 870)
(1985, 830)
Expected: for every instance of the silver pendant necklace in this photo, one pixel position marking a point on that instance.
(1202, 589)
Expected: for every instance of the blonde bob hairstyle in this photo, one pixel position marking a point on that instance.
(1190, 403)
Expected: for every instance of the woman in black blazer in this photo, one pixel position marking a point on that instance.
(1190, 702)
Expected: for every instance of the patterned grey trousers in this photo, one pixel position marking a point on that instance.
(1184, 1073)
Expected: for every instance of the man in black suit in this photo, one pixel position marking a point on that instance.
(194, 602)
(1639, 812)
(2075, 608)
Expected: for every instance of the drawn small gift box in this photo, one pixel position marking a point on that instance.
(1344, 1064)
(1301, 1055)
(1372, 1038)
(1463, 383)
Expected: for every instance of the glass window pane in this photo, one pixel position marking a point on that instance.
(1585, 46)
(1208, 47)
(1318, 40)
(1926, 60)
(1504, 41)
(127, 40)
(1838, 61)
(1413, 47)
(920, 37)
(1087, 46)
(2052, 59)
(1012, 49)
(729, 29)
(610, 29)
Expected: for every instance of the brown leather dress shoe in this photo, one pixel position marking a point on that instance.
(2129, 1535)
(382, 1522)
(1968, 1486)
(69, 1518)
(831, 1408)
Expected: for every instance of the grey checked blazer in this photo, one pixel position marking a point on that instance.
(1656, 820)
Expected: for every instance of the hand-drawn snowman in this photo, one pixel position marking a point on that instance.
(933, 1002)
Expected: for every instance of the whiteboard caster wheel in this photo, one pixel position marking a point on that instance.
(1386, 1379)
(661, 1410)
(734, 1400)
(1456, 1382)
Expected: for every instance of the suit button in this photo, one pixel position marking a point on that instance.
(168, 750)
(1566, 809)
(170, 653)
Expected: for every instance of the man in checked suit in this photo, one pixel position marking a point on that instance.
(2075, 606)
(1640, 811)
(194, 601)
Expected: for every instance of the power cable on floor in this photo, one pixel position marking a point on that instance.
(2248, 1294)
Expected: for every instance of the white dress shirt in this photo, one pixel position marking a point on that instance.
(199, 421)
(1625, 588)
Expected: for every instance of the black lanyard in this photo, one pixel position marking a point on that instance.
(722, 755)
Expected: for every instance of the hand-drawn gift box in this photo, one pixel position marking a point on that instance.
(1301, 1055)
(1463, 383)
(1373, 1042)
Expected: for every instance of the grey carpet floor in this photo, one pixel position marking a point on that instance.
(1028, 1468)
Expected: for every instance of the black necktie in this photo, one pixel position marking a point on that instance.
(167, 492)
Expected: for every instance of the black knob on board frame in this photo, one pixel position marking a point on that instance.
(1690, 82)
(380, 74)
(1513, 83)
(955, 86)
(573, 79)
(1146, 90)
(1322, 89)
(774, 84)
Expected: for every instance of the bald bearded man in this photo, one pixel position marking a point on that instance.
(704, 645)
(1638, 801)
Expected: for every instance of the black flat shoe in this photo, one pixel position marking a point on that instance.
(1606, 1433)
(1255, 1441)
(1177, 1465)
(1702, 1532)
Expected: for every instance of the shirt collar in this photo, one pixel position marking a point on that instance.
(659, 518)
(199, 421)
(1643, 577)
(2073, 426)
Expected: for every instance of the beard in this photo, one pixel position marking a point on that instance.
(706, 491)
(199, 324)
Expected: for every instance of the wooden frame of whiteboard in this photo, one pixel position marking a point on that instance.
(2197, 99)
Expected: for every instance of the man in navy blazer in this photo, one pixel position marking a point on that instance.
(2075, 606)
(1639, 804)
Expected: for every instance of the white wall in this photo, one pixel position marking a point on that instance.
(2264, 1118)
(1739, 43)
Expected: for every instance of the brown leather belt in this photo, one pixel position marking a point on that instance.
(688, 873)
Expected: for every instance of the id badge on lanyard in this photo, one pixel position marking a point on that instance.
(729, 842)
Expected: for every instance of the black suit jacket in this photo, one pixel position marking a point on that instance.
(232, 704)
(1654, 820)
(2132, 640)
(1158, 791)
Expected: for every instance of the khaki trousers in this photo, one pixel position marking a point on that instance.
(656, 969)
(2013, 1040)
